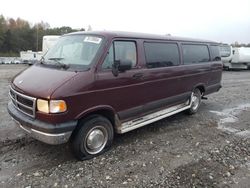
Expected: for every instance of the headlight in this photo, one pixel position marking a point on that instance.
(43, 105)
(53, 106)
(57, 106)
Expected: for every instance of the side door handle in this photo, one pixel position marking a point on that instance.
(137, 75)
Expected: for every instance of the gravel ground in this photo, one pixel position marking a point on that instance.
(208, 149)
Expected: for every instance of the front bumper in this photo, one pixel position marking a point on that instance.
(48, 133)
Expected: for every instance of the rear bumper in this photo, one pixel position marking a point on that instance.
(48, 133)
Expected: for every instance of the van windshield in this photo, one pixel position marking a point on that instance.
(78, 50)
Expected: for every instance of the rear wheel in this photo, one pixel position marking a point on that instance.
(195, 101)
(94, 137)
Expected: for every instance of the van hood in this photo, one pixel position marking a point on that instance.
(38, 81)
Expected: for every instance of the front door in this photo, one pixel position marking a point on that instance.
(123, 92)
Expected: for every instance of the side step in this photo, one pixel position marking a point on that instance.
(150, 118)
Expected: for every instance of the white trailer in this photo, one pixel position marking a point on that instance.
(241, 56)
(48, 42)
(30, 57)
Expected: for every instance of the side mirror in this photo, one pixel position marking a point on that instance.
(121, 66)
(125, 65)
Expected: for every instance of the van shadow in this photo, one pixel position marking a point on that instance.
(48, 156)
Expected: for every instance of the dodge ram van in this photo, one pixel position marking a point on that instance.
(91, 85)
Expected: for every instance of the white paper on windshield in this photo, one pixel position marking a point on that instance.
(95, 40)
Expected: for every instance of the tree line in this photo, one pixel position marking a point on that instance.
(236, 44)
(19, 35)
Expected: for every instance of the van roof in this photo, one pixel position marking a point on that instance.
(122, 34)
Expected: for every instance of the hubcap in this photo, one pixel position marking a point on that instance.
(96, 140)
(195, 102)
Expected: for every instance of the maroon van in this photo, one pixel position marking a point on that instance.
(91, 85)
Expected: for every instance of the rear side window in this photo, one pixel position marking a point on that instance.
(121, 50)
(193, 53)
(215, 53)
(161, 54)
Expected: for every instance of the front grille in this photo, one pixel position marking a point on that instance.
(23, 103)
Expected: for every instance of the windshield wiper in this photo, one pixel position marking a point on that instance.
(57, 60)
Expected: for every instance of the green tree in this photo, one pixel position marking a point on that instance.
(17, 35)
(2, 30)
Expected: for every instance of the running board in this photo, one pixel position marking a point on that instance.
(145, 120)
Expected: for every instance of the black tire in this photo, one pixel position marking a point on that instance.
(95, 127)
(195, 104)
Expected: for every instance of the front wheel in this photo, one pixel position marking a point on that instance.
(94, 136)
(195, 100)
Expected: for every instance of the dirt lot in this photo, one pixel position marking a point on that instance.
(208, 149)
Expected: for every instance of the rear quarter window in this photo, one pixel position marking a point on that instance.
(195, 53)
(215, 53)
(161, 54)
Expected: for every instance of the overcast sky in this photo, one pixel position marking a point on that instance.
(218, 20)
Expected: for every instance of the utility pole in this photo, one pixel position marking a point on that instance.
(37, 37)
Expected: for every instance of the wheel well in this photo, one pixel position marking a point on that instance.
(105, 113)
(202, 89)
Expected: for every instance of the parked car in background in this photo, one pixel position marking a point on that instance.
(90, 85)
(10, 60)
